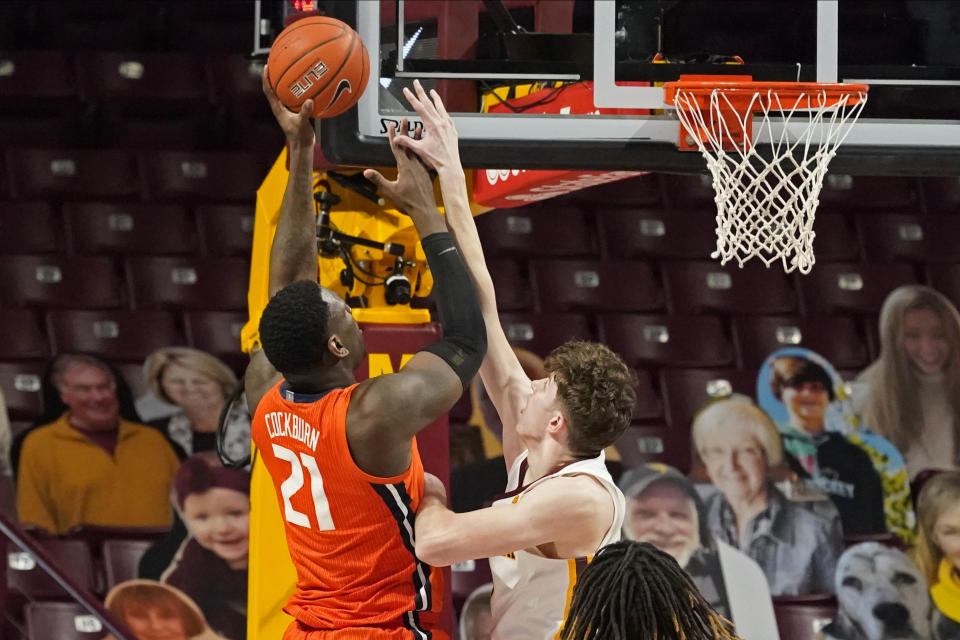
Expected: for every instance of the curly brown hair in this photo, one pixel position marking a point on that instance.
(596, 390)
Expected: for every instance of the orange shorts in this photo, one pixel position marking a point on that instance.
(299, 631)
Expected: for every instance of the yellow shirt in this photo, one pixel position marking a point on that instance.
(946, 592)
(66, 480)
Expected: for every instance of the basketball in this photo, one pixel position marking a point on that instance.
(320, 58)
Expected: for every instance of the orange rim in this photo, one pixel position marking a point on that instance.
(741, 95)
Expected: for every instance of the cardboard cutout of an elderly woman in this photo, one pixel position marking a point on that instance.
(862, 472)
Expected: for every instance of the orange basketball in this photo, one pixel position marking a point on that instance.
(320, 58)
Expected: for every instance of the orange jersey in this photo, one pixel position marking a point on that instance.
(350, 534)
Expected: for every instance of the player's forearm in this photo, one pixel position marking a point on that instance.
(437, 542)
(293, 255)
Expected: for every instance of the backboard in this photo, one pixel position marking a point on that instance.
(908, 51)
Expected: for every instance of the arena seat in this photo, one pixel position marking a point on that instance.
(114, 335)
(568, 285)
(685, 391)
(59, 282)
(648, 406)
(657, 233)
(541, 333)
(226, 230)
(23, 339)
(21, 383)
(851, 288)
(802, 617)
(29, 227)
(216, 284)
(945, 279)
(842, 192)
(37, 80)
(465, 577)
(209, 26)
(537, 230)
(836, 338)
(704, 287)
(121, 558)
(667, 340)
(690, 191)
(61, 621)
(644, 190)
(145, 82)
(836, 240)
(73, 173)
(643, 443)
(106, 25)
(185, 132)
(238, 83)
(26, 580)
(217, 333)
(201, 176)
(941, 195)
(511, 280)
(914, 238)
(130, 228)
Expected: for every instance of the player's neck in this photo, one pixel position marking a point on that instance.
(320, 380)
(544, 456)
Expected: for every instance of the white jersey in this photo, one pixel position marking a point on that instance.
(531, 593)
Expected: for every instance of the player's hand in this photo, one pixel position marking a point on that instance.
(438, 145)
(433, 487)
(412, 192)
(296, 126)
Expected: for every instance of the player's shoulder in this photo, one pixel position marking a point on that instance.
(574, 493)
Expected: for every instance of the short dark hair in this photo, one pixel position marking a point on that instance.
(293, 327)
(634, 590)
(596, 391)
(792, 371)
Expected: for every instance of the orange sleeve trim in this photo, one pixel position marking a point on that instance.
(572, 580)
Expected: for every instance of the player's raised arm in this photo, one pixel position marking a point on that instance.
(502, 374)
(387, 411)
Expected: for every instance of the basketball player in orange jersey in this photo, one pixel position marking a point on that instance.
(562, 505)
(342, 455)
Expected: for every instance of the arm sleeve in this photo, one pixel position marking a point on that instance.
(33, 504)
(464, 342)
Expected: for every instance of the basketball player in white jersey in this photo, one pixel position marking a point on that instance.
(561, 504)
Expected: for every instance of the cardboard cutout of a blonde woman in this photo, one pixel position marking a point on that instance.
(863, 473)
(156, 611)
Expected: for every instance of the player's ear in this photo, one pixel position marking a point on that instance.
(557, 423)
(336, 347)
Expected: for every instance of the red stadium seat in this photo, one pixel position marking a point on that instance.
(112, 25)
(541, 333)
(201, 176)
(851, 288)
(181, 132)
(114, 335)
(946, 280)
(658, 233)
(217, 333)
(916, 238)
(121, 558)
(661, 340)
(690, 191)
(23, 339)
(704, 287)
(148, 82)
(615, 285)
(836, 338)
(37, 80)
(29, 227)
(28, 580)
(649, 406)
(843, 192)
(210, 26)
(51, 173)
(227, 230)
(61, 621)
(835, 239)
(238, 82)
(802, 617)
(942, 195)
(58, 282)
(642, 443)
(511, 280)
(546, 231)
(216, 284)
(21, 383)
(130, 228)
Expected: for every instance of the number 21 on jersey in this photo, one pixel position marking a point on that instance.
(294, 483)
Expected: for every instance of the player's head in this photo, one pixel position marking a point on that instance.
(589, 394)
(306, 328)
(633, 590)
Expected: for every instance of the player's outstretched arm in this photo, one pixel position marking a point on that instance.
(387, 411)
(293, 254)
(502, 374)
(567, 511)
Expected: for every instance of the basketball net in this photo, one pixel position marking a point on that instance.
(766, 198)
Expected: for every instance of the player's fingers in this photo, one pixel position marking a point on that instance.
(306, 110)
(415, 103)
(376, 178)
(391, 132)
(424, 98)
(438, 104)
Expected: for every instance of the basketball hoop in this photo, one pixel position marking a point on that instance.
(766, 197)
